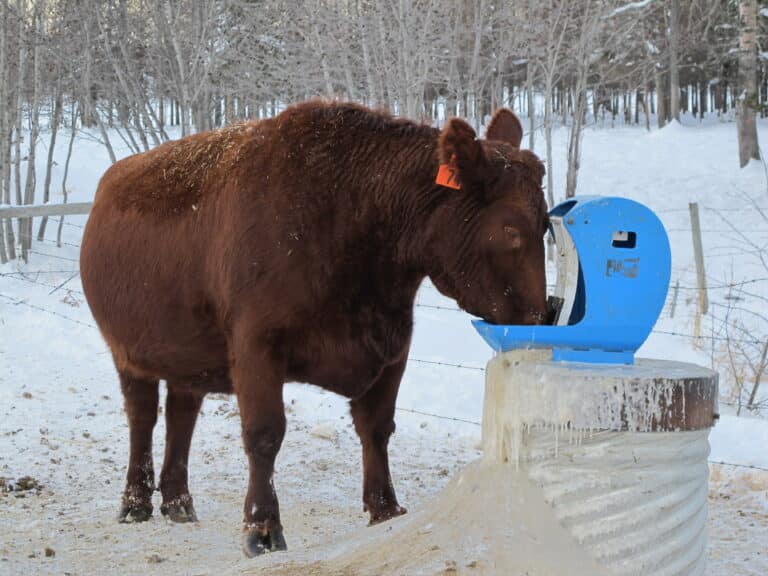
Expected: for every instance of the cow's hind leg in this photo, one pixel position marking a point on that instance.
(141, 408)
(181, 409)
(373, 415)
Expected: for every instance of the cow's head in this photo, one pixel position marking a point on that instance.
(487, 237)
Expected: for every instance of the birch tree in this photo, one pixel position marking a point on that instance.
(586, 29)
(553, 25)
(129, 69)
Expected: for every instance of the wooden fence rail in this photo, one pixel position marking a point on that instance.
(44, 210)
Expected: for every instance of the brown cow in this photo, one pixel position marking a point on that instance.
(291, 249)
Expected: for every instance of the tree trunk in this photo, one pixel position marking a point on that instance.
(548, 113)
(25, 224)
(531, 105)
(371, 92)
(716, 96)
(19, 106)
(574, 141)
(19, 109)
(693, 92)
(529, 90)
(674, 72)
(323, 59)
(105, 138)
(588, 37)
(638, 99)
(627, 107)
(4, 129)
(647, 104)
(66, 172)
(57, 106)
(747, 101)
(661, 107)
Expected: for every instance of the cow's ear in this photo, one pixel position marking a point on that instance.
(505, 126)
(460, 148)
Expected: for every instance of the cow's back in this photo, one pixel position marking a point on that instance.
(276, 222)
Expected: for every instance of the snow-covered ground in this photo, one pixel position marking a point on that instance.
(61, 419)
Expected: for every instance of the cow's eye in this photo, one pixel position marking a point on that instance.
(512, 237)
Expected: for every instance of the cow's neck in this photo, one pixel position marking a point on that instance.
(410, 200)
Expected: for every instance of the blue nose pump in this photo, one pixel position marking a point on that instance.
(613, 269)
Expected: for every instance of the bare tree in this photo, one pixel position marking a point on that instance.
(586, 33)
(132, 68)
(554, 21)
(35, 35)
(17, 129)
(55, 121)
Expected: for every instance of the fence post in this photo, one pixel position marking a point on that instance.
(3, 253)
(674, 299)
(701, 276)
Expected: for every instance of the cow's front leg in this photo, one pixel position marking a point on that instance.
(373, 414)
(258, 383)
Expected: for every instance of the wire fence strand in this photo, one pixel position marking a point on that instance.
(448, 364)
(25, 276)
(22, 276)
(749, 466)
(17, 302)
(439, 416)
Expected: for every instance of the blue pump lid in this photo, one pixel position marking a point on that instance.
(620, 268)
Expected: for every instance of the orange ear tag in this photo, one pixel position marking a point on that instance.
(447, 175)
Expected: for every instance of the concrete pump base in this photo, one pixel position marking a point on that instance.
(619, 452)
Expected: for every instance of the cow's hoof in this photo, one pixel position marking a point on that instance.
(179, 509)
(256, 542)
(134, 509)
(386, 514)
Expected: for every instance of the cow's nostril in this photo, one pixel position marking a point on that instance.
(538, 317)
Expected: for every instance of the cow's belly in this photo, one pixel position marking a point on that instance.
(169, 346)
(347, 362)
(349, 377)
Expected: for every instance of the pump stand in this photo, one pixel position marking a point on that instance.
(620, 453)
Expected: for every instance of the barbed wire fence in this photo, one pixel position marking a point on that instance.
(26, 276)
(20, 302)
(744, 337)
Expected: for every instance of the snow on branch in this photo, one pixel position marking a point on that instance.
(630, 6)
